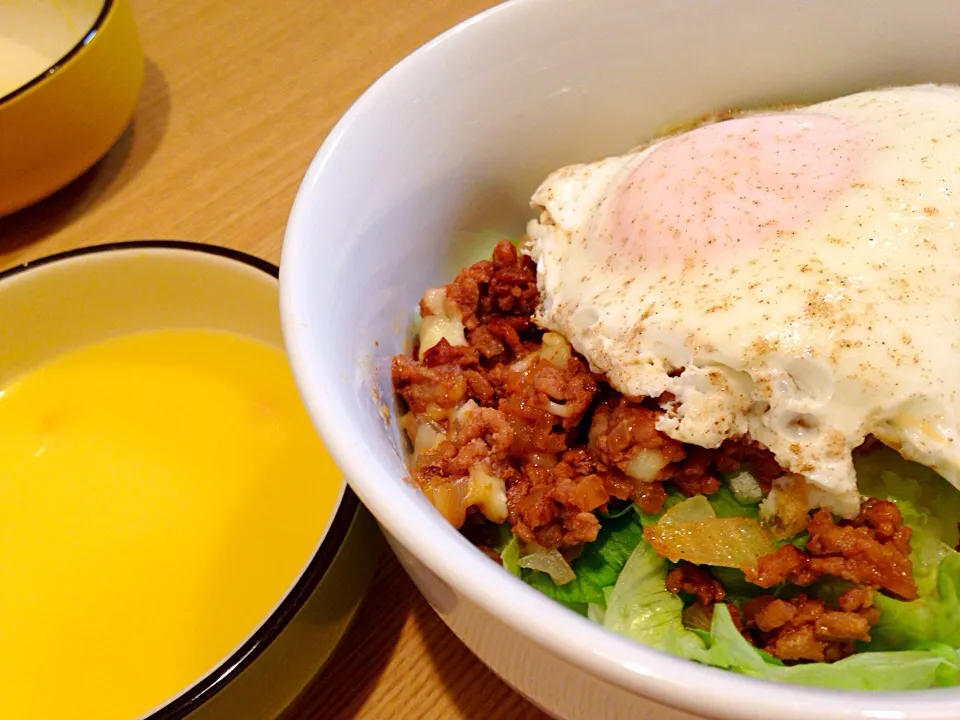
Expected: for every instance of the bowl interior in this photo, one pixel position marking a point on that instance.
(56, 306)
(35, 36)
(454, 140)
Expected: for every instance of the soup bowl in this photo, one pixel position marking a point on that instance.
(80, 298)
(451, 143)
(70, 73)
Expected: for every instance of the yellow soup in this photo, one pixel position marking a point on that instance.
(159, 495)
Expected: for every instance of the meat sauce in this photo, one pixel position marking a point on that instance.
(509, 425)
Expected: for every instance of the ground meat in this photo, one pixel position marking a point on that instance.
(694, 580)
(424, 388)
(539, 426)
(620, 429)
(872, 550)
(504, 285)
(531, 414)
(650, 497)
(553, 507)
(805, 629)
(743, 451)
(693, 475)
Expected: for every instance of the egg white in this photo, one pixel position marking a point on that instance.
(848, 327)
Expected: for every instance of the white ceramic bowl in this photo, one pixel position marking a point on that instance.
(455, 139)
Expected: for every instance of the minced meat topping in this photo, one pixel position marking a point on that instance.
(509, 425)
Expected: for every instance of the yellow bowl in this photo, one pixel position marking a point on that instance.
(66, 301)
(70, 72)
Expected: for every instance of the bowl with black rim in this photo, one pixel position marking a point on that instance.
(74, 299)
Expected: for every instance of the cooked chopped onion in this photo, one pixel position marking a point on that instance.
(727, 542)
(434, 328)
(745, 488)
(460, 414)
(646, 464)
(524, 364)
(555, 350)
(786, 510)
(434, 300)
(559, 409)
(489, 493)
(435, 412)
(550, 562)
(697, 617)
(410, 424)
(547, 460)
(690, 510)
(428, 436)
(450, 498)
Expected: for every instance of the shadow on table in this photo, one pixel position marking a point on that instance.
(109, 175)
(477, 691)
(354, 669)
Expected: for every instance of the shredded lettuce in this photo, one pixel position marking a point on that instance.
(927, 501)
(932, 617)
(725, 504)
(931, 508)
(598, 566)
(933, 666)
(641, 608)
(510, 556)
(621, 584)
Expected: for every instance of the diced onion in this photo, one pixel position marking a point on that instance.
(410, 425)
(559, 409)
(555, 350)
(435, 412)
(690, 510)
(745, 488)
(547, 460)
(428, 436)
(550, 562)
(726, 542)
(435, 328)
(479, 489)
(646, 464)
(489, 493)
(522, 365)
(435, 299)
(785, 511)
(450, 498)
(460, 413)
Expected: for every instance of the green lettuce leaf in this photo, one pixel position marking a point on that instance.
(725, 504)
(931, 508)
(510, 556)
(641, 608)
(928, 502)
(933, 617)
(934, 666)
(598, 566)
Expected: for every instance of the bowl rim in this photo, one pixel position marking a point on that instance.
(217, 678)
(631, 666)
(107, 7)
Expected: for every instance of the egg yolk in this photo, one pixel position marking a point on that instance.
(723, 190)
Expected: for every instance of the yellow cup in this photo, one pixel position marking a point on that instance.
(70, 72)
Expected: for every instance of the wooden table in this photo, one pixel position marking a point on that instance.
(237, 98)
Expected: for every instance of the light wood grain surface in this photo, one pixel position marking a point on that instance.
(237, 98)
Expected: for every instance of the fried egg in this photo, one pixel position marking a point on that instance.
(790, 276)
